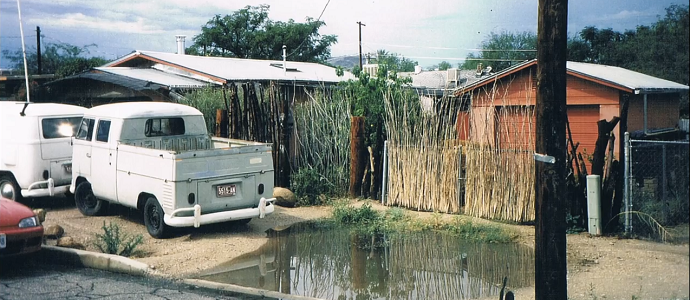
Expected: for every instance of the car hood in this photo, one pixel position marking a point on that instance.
(12, 212)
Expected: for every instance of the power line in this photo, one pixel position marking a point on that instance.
(317, 21)
(451, 48)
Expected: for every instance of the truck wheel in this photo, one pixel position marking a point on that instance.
(86, 201)
(9, 189)
(153, 218)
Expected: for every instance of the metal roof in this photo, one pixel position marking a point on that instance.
(125, 110)
(131, 83)
(233, 69)
(617, 77)
(638, 82)
(439, 79)
(156, 76)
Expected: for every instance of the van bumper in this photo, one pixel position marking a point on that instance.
(35, 190)
(265, 208)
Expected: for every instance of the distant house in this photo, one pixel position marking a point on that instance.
(503, 104)
(159, 76)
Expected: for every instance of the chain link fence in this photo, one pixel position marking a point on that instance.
(657, 186)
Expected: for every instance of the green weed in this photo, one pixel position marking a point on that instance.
(114, 242)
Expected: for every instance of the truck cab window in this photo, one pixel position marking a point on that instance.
(59, 127)
(85, 129)
(164, 127)
(103, 131)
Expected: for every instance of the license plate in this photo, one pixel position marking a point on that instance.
(3, 241)
(226, 190)
(68, 168)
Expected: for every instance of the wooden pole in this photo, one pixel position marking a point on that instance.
(357, 162)
(550, 243)
(221, 123)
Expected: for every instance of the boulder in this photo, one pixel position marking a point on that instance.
(53, 231)
(284, 197)
(69, 242)
(41, 214)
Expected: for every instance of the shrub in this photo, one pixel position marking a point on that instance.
(308, 185)
(113, 242)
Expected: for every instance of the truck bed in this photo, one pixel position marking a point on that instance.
(180, 144)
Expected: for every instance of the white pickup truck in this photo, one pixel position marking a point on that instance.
(158, 157)
(35, 148)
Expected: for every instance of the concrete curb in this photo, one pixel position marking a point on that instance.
(244, 290)
(102, 261)
(120, 264)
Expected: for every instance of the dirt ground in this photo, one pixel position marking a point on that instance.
(598, 267)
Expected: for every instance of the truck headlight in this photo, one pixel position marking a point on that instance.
(28, 222)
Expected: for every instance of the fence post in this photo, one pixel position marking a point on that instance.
(461, 179)
(384, 181)
(664, 184)
(627, 170)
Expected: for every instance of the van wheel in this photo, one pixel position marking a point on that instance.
(153, 218)
(9, 189)
(86, 201)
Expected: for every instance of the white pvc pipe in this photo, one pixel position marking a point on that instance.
(594, 204)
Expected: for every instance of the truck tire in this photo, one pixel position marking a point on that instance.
(153, 218)
(9, 188)
(86, 201)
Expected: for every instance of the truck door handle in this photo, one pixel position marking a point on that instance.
(88, 155)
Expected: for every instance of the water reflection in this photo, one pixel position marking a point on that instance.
(333, 263)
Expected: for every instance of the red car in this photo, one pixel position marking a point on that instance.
(21, 231)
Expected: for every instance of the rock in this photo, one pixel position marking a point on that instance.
(69, 242)
(284, 197)
(53, 231)
(41, 214)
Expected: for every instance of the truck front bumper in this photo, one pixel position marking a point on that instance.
(36, 189)
(265, 208)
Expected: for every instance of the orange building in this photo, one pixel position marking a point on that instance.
(502, 104)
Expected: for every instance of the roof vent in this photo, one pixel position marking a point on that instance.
(180, 43)
(417, 69)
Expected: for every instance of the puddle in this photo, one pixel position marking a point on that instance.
(333, 263)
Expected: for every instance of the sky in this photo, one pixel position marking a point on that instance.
(425, 31)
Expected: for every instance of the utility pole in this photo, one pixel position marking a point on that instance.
(38, 48)
(360, 43)
(550, 152)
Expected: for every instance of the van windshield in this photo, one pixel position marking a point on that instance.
(60, 127)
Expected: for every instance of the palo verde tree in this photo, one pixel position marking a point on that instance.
(61, 59)
(502, 50)
(249, 33)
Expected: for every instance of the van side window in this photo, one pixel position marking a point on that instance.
(59, 127)
(164, 127)
(103, 131)
(85, 129)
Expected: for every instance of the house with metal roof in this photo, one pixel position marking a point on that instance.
(159, 76)
(502, 105)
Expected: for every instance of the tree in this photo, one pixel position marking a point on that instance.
(249, 33)
(442, 66)
(61, 59)
(502, 50)
(394, 62)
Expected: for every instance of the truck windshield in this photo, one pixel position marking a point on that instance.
(60, 127)
(164, 127)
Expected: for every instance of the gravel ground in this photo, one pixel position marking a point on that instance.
(598, 267)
